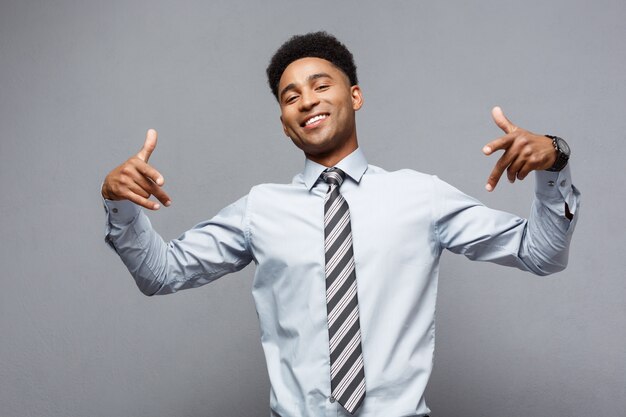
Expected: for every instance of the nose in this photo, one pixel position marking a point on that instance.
(308, 100)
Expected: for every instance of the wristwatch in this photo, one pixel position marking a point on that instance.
(562, 153)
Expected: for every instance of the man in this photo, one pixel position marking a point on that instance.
(347, 254)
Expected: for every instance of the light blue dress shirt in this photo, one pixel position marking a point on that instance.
(401, 223)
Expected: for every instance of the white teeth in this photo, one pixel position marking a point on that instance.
(315, 119)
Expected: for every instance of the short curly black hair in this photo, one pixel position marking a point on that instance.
(316, 45)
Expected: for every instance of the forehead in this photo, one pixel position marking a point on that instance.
(301, 69)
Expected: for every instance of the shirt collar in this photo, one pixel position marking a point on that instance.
(354, 165)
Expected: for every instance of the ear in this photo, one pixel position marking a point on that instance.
(357, 97)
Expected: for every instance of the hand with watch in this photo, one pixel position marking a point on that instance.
(524, 152)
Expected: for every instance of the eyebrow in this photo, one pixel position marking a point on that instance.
(311, 77)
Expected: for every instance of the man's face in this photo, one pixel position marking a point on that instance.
(318, 108)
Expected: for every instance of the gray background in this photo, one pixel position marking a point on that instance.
(80, 82)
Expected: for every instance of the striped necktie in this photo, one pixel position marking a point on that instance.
(346, 357)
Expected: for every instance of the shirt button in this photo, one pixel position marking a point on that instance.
(563, 183)
(551, 183)
(114, 210)
(331, 399)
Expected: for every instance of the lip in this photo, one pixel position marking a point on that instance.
(314, 124)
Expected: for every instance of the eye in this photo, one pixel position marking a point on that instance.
(322, 87)
(291, 99)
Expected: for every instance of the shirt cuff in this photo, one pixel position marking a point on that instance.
(557, 188)
(121, 212)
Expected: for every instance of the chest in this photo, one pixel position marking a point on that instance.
(388, 223)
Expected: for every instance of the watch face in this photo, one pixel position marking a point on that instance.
(563, 147)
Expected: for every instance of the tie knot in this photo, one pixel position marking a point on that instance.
(333, 176)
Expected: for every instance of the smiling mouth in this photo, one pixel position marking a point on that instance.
(315, 120)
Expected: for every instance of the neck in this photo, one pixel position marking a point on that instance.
(332, 158)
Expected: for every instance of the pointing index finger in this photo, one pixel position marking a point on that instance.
(501, 143)
(149, 172)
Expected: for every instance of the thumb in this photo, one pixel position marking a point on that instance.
(501, 120)
(148, 146)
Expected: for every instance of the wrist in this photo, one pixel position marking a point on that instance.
(562, 151)
(104, 192)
